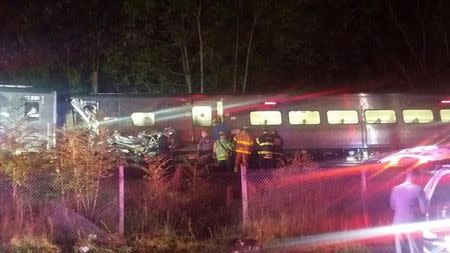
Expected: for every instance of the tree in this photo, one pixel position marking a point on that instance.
(198, 15)
(174, 28)
(258, 8)
(236, 46)
(176, 46)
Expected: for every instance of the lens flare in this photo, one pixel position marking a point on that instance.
(312, 241)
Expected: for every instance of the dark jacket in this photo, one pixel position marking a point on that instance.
(163, 145)
(265, 145)
(206, 144)
(277, 144)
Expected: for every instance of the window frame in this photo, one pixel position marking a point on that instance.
(440, 115)
(304, 124)
(381, 123)
(28, 106)
(153, 118)
(432, 114)
(278, 124)
(210, 116)
(343, 124)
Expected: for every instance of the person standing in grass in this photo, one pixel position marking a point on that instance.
(223, 150)
(243, 146)
(408, 202)
(205, 145)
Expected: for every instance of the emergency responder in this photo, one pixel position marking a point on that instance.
(265, 144)
(409, 203)
(243, 144)
(223, 151)
(205, 145)
(163, 144)
(277, 146)
(217, 127)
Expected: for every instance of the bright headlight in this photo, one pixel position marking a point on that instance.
(429, 235)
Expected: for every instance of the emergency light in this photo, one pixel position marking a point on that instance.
(446, 101)
(274, 103)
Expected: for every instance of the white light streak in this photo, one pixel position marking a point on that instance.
(312, 241)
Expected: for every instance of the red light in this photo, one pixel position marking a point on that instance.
(447, 101)
(270, 103)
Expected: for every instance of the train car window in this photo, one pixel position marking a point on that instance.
(262, 118)
(201, 115)
(336, 117)
(445, 115)
(31, 111)
(417, 116)
(380, 116)
(304, 117)
(143, 118)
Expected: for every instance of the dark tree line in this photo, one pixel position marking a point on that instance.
(177, 46)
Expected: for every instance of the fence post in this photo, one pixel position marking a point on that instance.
(121, 199)
(244, 198)
(364, 196)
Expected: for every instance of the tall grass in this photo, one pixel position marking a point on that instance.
(301, 199)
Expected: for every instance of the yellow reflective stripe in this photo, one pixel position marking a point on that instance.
(244, 142)
(265, 152)
(243, 151)
(222, 157)
(266, 144)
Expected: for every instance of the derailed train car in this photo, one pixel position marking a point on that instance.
(352, 125)
(27, 118)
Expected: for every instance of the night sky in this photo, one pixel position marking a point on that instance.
(176, 46)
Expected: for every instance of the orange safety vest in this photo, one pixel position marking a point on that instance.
(243, 143)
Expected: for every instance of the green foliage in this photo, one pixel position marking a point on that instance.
(74, 79)
(142, 69)
(32, 244)
(297, 44)
(175, 244)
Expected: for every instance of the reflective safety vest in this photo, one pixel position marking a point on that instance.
(222, 149)
(243, 143)
(265, 145)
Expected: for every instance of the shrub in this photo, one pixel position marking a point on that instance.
(344, 248)
(174, 244)
(32, 244)
(101, 249)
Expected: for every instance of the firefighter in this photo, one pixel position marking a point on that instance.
(266, 150)
(243, 144)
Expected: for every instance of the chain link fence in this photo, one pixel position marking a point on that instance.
(296, 201)
(37, 206)
(287, 201)
(380, 182)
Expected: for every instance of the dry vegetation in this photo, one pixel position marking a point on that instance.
(63, 196)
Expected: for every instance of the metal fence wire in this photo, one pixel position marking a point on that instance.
(39, 207)
(293, 200)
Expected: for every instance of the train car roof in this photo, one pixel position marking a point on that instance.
(206, 95)
(26, 90)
